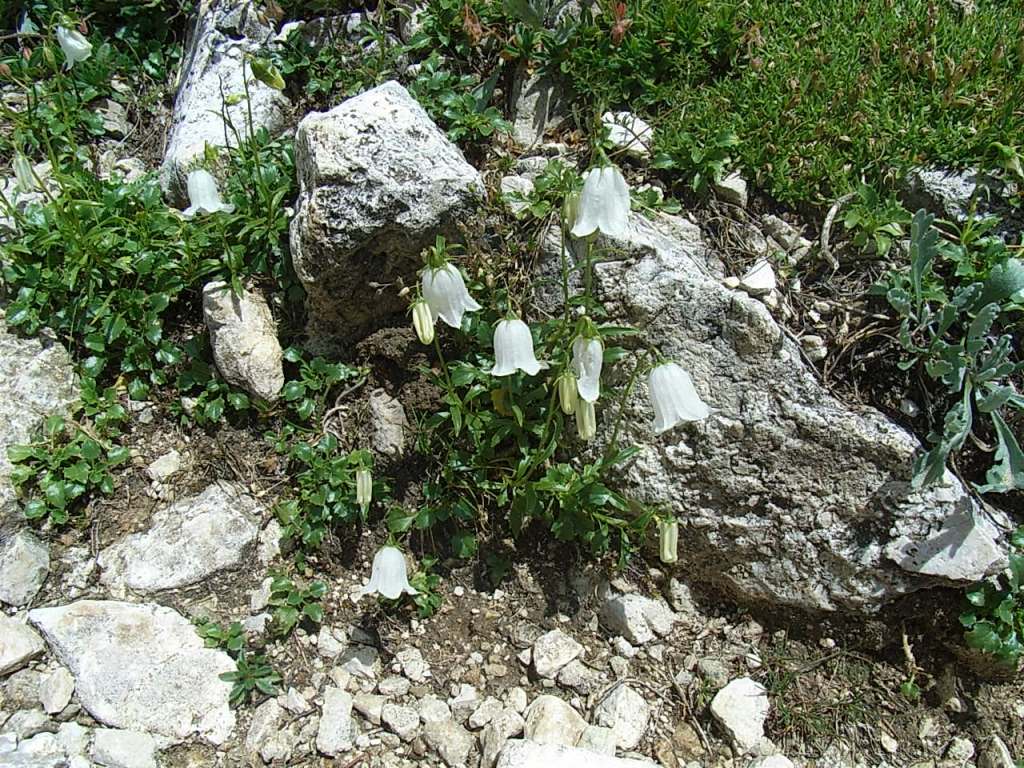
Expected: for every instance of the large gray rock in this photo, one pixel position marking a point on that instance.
(626, 713)
(550, 720)
(18, 644)
(185, 542)
(36, 380)
(24, 563)
(378, 181)
(141, 668)
(520, 753)
(538, 103)
(212, 72)
(786, 494)
(244, 339)
(637, 618)
(123, 749)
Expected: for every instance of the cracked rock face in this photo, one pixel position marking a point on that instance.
(132, 664)
(378, 181)
(225, 31)
(785, 495)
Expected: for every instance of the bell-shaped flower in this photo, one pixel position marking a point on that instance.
(364, 488)
(203, 195)
(389, 577)
(674, 398)
(604, 204)
(423, 321)
(446, 295)
(513, 349)
(668, 540)
(567, 397)
(23, 174)
(587, 357)
(74, 45)
(586, 420)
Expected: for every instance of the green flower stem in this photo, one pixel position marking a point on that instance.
(622, 407)
(565, 279)
(444, 370)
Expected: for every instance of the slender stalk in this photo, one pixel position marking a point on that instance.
(444, 369)
(565, 279)
(622, 408)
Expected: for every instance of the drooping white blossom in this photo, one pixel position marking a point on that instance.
(513, 349)
(668, 540)
(604, 204)
(389, 577)
(445, 293)
(74, 45)
(674, 397)
(587, 358)
(586, 420)
(203, 195)
(423, 321)
(364, 488)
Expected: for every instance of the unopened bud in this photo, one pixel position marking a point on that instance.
(586, 420)
(668, 540)
(364, 488)
(567, 395)
(423, 322)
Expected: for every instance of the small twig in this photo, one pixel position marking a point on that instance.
(826, 229)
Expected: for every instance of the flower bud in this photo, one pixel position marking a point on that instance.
(567, 396)
(364, 488)
(423, 321)
(23, 173)
(586, 420)
(668, 540)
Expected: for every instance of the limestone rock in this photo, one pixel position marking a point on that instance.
(628, 133)
(164, 466)
(732, 189)
(504, 726)
(378, 181)
(549, 720)
(18, 644)
(521, 753)
(36, 380)
(626, 713)
(772, 761)
(132, 662)
(552, 651)
(24, 564)
(123, 749)
(538, 103)
(450, 740)
(268, 737)
(598, 738)
(388, 424)
(400, 720)
(336, 728)
(55, 690)
(413, 665)
(244, 339)
(741, 708)
(433, 710)
(762, 518)
(637, 618)
(185, 543)
(370, 706)
(212, 71)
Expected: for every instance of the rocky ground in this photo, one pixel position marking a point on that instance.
(813, 582)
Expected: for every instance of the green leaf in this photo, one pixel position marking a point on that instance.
(17, 453)
(984, 637)
(293, 390)
(1007, 474)
(267, 73)
(464, 545)
(314, 612)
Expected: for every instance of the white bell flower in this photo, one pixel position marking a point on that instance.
(513, 349)
(23, 174)
(604, 204)
(446, 295)
(587, 358)
(203, 195)
(364, 488)
(74, 45)
(586, 420)
(423, 321)
(668, 541)
(674, 398)
(389, 577)
(567, 396)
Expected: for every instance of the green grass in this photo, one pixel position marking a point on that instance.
(819, 92)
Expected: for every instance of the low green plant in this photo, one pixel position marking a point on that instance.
(291, 604)
(252, 675)
(426, 582)
(706, 162)
(958, 333)
(994, 619)
(876, 221)
(460, 103)
(307, 394)
(230, 638)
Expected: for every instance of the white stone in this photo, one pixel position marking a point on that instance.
(413, 665)
(500, 729)
(18, 644)
(244, 339)
(378, 181)
(626, 713)
(552, 651)
(185, 543)
(400, 720)
(511, 188)
(598, 738)
(628, 132)
(522, 753)
(432, 710)
(538, 104)
(36, 380)
(166, 465)
(360, 661)
(759, 279)
(370, 706)
(388, 424)
(732, 189)
(123, 749)
(464, 703)
(131, 663)
(772, 761)
(55, 690)
(517, 699)
(259, 599)
(742, 708)
(294, 702)
(331, 642)
(268, 737)
(637, 618)
(550, 720)
(24, 564)
(393, 686)
(336, 729)
(225, 32)
(489, 709)
(450, 740)
(579, 677)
